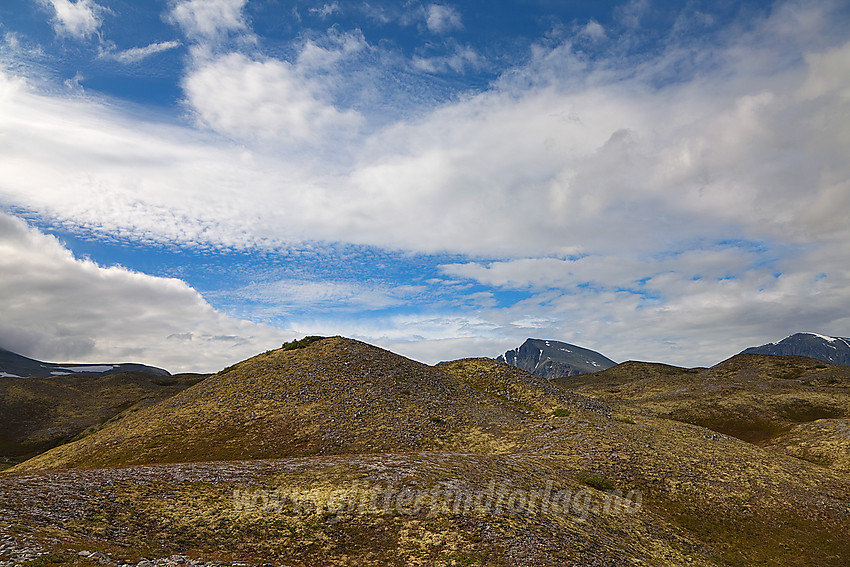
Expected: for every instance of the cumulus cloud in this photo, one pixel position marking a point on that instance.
(58, 307)
(442, 18)
(209, 19)
(250, 99)
(79, 19)
(550, 166)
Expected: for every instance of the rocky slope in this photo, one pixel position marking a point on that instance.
(554, 359)
(333, 396)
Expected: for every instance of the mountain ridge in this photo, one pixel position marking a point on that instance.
(555, 359)
(14, 365)
(812, 345)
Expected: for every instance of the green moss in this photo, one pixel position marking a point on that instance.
(561, 412)
(595, 481)
(49, 560)
(301, 343)
(744, 426)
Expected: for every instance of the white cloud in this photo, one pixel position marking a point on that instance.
(209, 19)
(78, 19)
(550, 166)
(326, 10)
(442, 18)
(463, 58)
(136, 54)
(631, 13)
(333, 49)
(57, 307)
(593, 30)
(687, 322)
(262, 100)
(276, 298)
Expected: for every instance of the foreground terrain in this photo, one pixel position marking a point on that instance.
(340, 453)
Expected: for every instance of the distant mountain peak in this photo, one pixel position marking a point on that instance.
(13, 365)
(813, 345)
(824, 337)
(555, 359)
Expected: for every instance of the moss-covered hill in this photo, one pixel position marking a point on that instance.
(39, 413)
(332, 396)
(517, 387)
(791, 403)
(364, 435)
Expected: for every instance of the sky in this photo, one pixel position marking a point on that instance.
(187, 183)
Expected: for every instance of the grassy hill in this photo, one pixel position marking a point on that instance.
(517, 387)
(793, 403)
(40, 413)
(332, 396)
(378, 460)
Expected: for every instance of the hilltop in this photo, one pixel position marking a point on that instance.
(791, 403)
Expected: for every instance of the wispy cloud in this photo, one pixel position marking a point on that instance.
(136, 54)
(462, 59)
(282, 297)
(326, 10)
(593, 30)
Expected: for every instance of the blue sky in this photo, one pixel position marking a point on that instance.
(188, 182)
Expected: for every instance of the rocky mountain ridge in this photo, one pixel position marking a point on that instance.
(13, 365)
(554, 359)
(813, 345)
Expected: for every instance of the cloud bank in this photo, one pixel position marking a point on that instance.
(60, 308)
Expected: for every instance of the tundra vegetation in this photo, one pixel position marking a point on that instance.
(335, 452)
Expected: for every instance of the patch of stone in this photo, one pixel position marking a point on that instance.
(18, 552)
